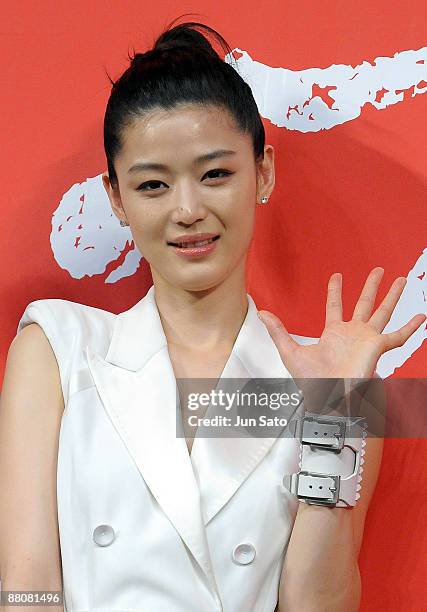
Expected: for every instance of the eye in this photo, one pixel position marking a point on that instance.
(144, 186)
(225, 172)
(147, 186)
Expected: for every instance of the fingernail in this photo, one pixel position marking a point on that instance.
(260, 316)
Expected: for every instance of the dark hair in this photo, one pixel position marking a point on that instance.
(182, 67)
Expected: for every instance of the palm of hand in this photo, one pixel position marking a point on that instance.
(346, 349)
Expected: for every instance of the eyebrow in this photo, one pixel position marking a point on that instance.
(138, 167)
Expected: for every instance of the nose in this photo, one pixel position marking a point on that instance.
(188, 211)
(188, 216)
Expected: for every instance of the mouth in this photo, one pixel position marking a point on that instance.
(188, 245)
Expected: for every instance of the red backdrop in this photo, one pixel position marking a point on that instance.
(347, 198)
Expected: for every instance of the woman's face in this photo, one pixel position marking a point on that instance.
(179, 195)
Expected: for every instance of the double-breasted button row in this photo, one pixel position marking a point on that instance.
(104, 535)
(244, 553)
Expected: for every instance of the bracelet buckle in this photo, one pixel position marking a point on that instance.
(317, 488)
(323, 432)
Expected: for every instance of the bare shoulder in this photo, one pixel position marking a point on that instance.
(31, 366)
(31, 338)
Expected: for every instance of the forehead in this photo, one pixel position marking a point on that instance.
(188, 130)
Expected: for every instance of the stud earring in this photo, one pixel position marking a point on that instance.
(264, 199)
(124, 223)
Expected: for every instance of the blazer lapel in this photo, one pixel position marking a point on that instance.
(137, 386)
(222, 464)
(136, 383)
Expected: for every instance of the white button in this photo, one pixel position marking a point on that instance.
(104, 535)
(244, 553)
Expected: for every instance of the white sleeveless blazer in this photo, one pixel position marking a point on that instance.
(143, 525)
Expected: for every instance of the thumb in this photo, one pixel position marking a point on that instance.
(278, 332)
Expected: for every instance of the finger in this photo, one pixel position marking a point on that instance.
(400, 336)
(383, 313)
(334, 299)
(366, 301)
(278, 332)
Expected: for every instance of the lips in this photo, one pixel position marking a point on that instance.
(189, 242)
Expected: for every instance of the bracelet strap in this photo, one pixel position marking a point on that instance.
(330, 459)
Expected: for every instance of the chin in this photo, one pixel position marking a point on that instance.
(201, 286)
(197, 282)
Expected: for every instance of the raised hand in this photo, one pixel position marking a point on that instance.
(346, 349)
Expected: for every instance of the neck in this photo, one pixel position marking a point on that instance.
(202, 320)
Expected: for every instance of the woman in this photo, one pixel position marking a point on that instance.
(145, 520)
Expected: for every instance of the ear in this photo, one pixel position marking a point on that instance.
(265, 173)
(114, 197)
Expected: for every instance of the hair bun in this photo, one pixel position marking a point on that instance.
(185, 35)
